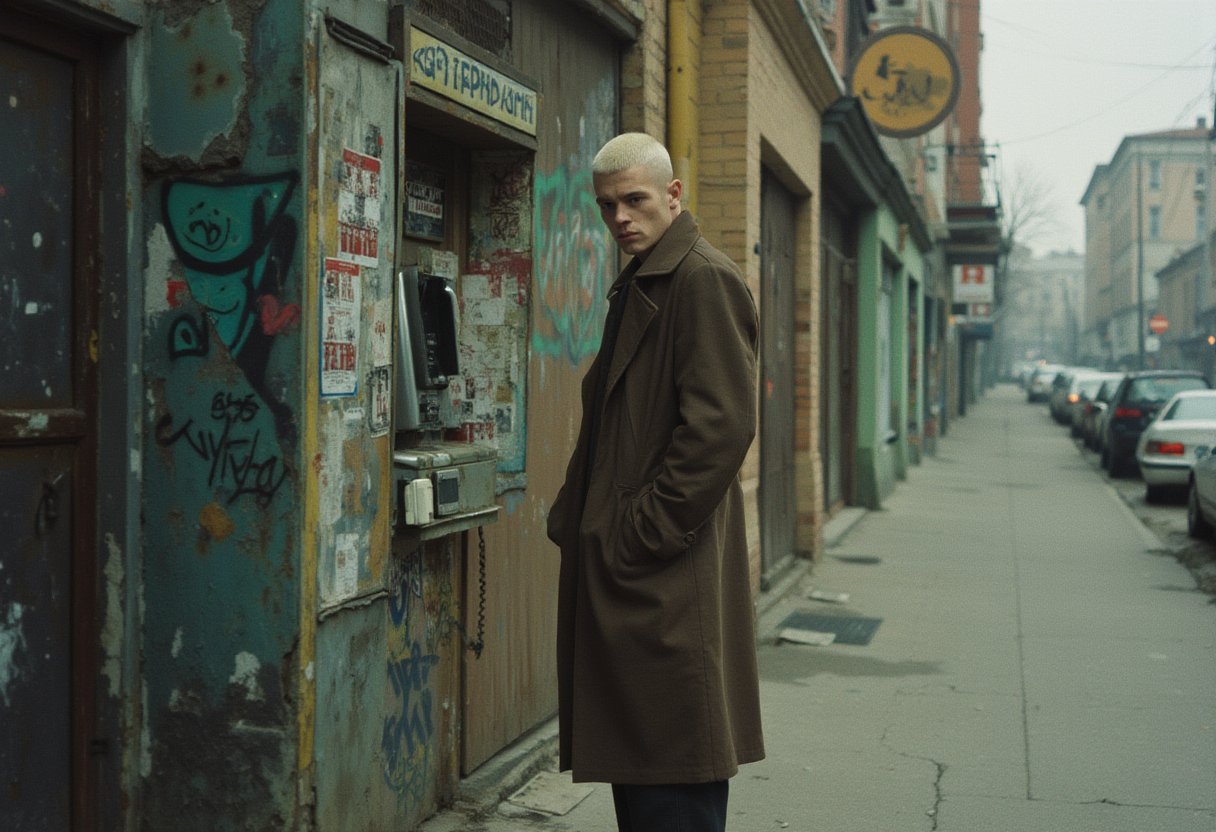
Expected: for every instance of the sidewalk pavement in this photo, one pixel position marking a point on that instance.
(1040, 665)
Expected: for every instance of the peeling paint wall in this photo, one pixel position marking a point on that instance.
(224, 284)
(371, 725)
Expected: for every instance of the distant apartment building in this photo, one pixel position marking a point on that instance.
(1042, 307)
(1141, 211)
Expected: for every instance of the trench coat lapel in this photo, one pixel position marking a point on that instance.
(639, 309)
(639, 312)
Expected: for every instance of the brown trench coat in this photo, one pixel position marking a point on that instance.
(657, 679)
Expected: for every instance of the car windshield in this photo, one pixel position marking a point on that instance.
(1159, 389)
(1194, 407)
(1107, 389)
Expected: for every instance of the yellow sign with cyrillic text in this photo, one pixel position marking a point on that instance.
(444, 69)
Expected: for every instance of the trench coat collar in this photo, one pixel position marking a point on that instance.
(672, 247)
(640, 309)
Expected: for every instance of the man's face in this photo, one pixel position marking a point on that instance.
(637, 206)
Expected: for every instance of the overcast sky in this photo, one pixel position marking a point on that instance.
(1063, 81)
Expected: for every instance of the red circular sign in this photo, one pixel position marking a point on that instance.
(1158, 324)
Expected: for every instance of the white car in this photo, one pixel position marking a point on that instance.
(1039, 389)
(1201, 496)
(1166, 449)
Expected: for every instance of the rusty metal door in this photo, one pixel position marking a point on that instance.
(48, 635)
(778, 502)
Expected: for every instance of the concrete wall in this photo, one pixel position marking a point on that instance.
(226, 280)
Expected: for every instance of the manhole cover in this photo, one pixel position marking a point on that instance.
(847, 629)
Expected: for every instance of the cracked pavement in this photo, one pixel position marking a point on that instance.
(1040, 666)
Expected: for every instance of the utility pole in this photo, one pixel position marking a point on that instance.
(1139, 264)
(1205, 274)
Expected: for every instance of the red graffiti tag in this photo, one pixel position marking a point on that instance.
(276, 317)
(174, 289)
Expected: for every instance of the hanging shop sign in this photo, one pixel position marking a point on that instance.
(907, 79)
(973, 283)
(447, 71)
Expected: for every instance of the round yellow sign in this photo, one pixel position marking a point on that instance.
(907, 80)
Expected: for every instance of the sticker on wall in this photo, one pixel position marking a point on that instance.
(382, 331)
(346, 567)
(340, 322)
(359, 208)
(379, 389)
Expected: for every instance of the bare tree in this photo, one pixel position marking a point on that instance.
(1028, 207)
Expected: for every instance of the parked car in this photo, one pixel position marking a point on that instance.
(1022, 371)
(1201, 494)
(1040, 382)
(1084, 388)
(1134, 404)
(1061, 386)
(1166, 449)
(1094, 412)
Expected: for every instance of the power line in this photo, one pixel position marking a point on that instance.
(1108, 107)
(1095, 61)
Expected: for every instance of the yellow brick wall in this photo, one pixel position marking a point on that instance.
(644, 75)
(754, 113)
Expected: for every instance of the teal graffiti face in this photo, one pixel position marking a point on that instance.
(221, 232)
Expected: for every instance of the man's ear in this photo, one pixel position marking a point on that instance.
(675, 190)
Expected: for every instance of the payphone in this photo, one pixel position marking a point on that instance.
(427, 346)
(439, 487)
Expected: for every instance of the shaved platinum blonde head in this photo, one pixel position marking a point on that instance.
(630, 150)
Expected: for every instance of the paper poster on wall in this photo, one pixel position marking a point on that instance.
(340, 323)
(359, 208)
(425, 187)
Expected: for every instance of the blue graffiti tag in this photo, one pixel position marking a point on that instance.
(407, 736)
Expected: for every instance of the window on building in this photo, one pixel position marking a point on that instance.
(1154, 174)
(1154, 222)
(1200, 179)
(1200, 221)
(1101, 202)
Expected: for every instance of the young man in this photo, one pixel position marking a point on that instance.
(657, 682)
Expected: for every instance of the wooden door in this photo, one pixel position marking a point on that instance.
(48, 635)
(778, 503)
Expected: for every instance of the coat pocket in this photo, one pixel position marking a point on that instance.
(628, 545)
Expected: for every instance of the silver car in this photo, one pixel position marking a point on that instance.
(1167, 448)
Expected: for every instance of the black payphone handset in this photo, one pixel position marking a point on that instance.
(427, 345)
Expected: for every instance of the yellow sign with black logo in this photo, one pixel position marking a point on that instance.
(907, 79)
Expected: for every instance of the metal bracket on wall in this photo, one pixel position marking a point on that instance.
(359, 40)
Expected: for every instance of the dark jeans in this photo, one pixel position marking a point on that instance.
(685, 807)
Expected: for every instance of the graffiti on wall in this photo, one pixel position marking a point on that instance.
(573, 254)
(409, 731)
(575, 260)
(229, 445)
(235, 242)
(421, 628)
